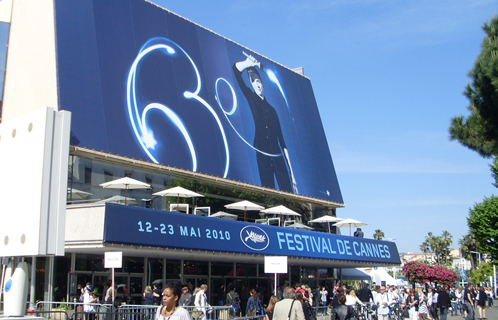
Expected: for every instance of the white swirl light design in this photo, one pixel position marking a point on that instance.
(139, 119)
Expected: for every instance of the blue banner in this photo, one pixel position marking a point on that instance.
(144, 83)
(148, 227)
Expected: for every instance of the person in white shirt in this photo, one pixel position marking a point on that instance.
(374, 291)
(393, 295)
(201, 301)
(352, 299)
(323, 296)
(89, 299)
(382, 300)
(432, 303)
(489, 293)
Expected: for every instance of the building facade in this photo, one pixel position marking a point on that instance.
(160, 99)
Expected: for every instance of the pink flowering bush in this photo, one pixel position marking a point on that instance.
(417, 272)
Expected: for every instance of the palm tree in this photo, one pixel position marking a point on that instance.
(447, 241)
(467, 245)
(379, 235)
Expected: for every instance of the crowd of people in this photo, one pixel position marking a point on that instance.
(300, 302)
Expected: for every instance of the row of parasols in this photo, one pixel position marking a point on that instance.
(127, 183)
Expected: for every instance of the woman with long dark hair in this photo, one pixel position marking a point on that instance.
(170, 310)
(306, 307)
(412, 304)
(253, 304)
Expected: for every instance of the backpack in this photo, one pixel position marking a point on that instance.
(233, 301)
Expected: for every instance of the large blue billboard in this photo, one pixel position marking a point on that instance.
(145, 83)
(157, 228)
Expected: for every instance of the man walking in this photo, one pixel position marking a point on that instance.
(288, 308)
(468, 299)
(444, 302)
(365, 294)
(382, 300)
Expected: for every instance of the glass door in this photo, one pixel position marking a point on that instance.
(100, 284)
(197, 282)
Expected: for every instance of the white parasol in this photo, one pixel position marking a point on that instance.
(177, 192)
(327, 220)
(349, 223)
(125, 183)
(119, 199)
(282, 210)
(244, 205)
(298, 225)
(224, 215)
(77, 194)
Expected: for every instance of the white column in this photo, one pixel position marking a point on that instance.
(32, 289)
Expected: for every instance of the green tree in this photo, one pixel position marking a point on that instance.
(483, 224)
(494, 171)
(379, 235)
(479, 131)
(482, 272)
(440, 246)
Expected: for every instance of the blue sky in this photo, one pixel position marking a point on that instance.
(387, 76)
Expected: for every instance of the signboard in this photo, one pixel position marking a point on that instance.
(154, 86)
(149, 227)
(275, 264)
(113, 260)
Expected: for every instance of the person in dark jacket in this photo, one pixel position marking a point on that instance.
(272, 155)
(342, 311)
(482, 297)
(365, 294)
(335, 299)
(305, 305)
(233, 299)
(444, 302)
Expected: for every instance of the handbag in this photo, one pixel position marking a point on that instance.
(405, 313)
(251, 312)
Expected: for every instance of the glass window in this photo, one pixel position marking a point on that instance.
(245, 269)
(222, 269)
(132, 265)
(309, 272)
(107, 175)
(88, 174)
(148, 179)
(89, 262)
(295, 276)
(155, 269)
(195, 268)
(136, 285)
(330, 273)
(322, 273)
(173, 269)
(62, 266)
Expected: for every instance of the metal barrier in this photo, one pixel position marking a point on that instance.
(321, 310)
(75, 311)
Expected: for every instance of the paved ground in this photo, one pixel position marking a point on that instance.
(491, 314)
